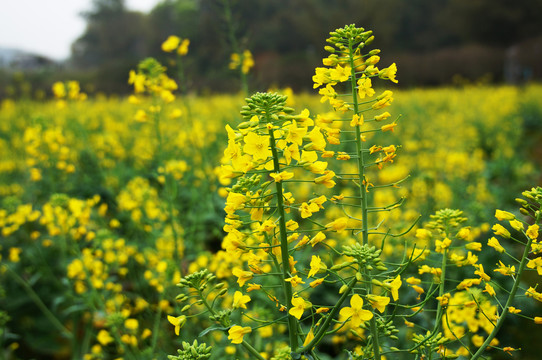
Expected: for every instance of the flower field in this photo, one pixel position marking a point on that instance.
(132, 225)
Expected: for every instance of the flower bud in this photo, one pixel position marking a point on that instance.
(222, 292)
(359, 277)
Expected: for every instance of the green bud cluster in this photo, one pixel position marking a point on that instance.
(428, 343)
(340, 38)
(198, 280)
(151, 68)
(244, 184)
(192, 352)
(532, 203)
(115, 319)
(283, 354)
(265, 103)
(387, 328)
(59, 200)
(222, 316)
(366, 256)
(10, 203)
(445, 219)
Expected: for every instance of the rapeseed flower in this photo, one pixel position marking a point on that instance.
(355, 312)
(236, 333)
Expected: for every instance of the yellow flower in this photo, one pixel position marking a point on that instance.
(14, 253)
(284, 175)
(104, 338)
(242, 276)
(316, 282)
(177, 321)
(498, 229)
(513, 310)
(328, 93)
(538, 320)
(340, 73)
(171, 43)
(295, 134)
(365, 88)
(131, 324)
(475, 246)
(182, 50)
(338, 224)
(355, 312)
(306, 210)
(326, 179)
(494, 243)
(294, 280)
(532, 232)
(378, 302)
(252, 287)
(516, 225)
(504, 215)
(393, 286)
(505, 269)
(59, 90)
(357, 120)
(319, 237)
(490, 290)
(388, 127)
(257, 146)
(298, 306)
(237, 332)
(389, 73)
(310, 336)
(536, 263)
(316, 265)
(383, 100)
(442, 245)
(318, 142)
(480, 272)
(382, 116)
(248, 62)
(239, 300)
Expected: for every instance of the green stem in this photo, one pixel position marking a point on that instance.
(156, 326)
(374, 328)
(360, 151)
(235, 45)
(292, 321)
(323, 328)
(441, 290)
(39, 303)
(362, 190)
(510, 299)
(245, 344)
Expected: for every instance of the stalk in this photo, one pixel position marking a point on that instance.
(510, 299)
(39, 303)
(362, 190)
(323, 328)
(245, 344)
(292, 322)
(359, 150)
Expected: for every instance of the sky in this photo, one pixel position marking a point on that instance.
(49, 27)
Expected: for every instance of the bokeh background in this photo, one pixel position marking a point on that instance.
(471, 130)
(435, 42)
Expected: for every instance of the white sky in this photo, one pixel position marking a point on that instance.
(48, 27)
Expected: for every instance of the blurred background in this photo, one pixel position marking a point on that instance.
(434, 42)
